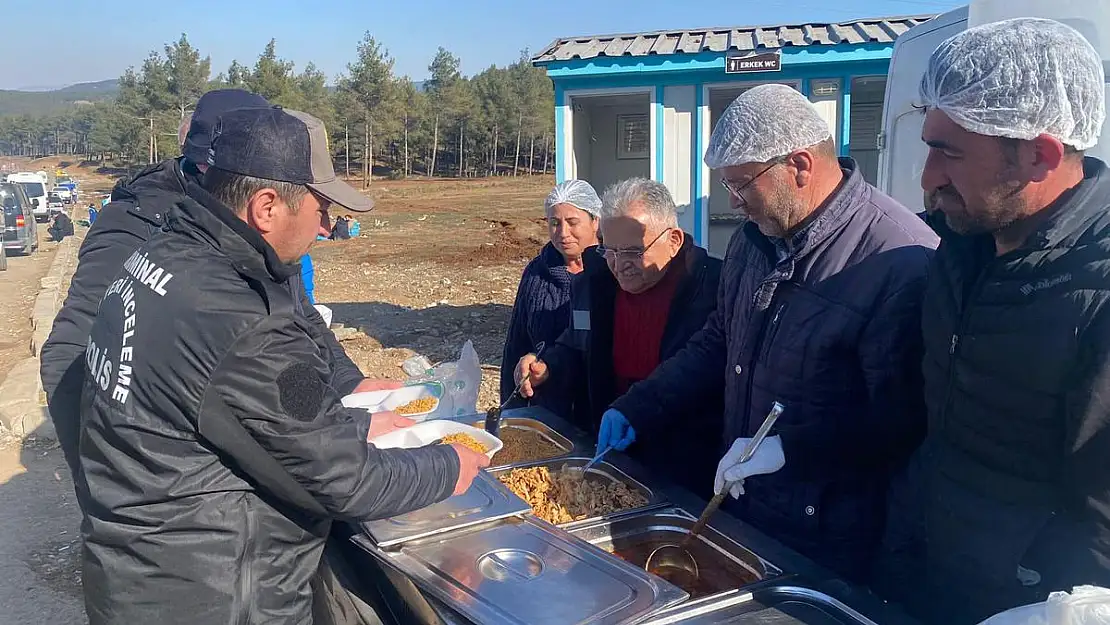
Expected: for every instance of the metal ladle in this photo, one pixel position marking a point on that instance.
(665, 560)
(493, 416)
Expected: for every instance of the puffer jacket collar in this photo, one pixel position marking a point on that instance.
(159, 184)
(1070, 215)
(826, 221)
(829, 219)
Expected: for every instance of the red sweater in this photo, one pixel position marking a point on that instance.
(638, 324)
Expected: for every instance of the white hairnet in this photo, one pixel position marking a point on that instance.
(1020, 78)
(577, 193)
(764, 123)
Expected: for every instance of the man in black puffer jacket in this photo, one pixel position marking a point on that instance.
(819, 309)
(1012, 485)
(215, 453)
(137, 212)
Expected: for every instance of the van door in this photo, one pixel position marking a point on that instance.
(901, 152)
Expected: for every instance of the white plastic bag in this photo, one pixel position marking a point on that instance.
(460, 379)
(1084, 605)
(325, 312)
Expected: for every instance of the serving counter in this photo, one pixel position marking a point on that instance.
(485, 558)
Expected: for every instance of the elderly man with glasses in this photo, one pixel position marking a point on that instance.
(819, 309)
(639, 299)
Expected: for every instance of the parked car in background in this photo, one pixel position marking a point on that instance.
(20, 228)
(54, 204)
(68, 183)
(63, 192)
(34, 185)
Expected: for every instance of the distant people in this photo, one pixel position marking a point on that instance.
(61, 228)
(92, 214)
(542, 308)
(341, 230)
(353, 227)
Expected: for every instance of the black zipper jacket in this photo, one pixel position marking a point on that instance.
(1017, 383)
(136, 213)
(214, 453)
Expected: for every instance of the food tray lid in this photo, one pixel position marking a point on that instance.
(495, 575)
(487, 499)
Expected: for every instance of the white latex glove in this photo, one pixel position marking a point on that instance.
(767, 459)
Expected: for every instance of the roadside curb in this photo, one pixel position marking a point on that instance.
(21, 411)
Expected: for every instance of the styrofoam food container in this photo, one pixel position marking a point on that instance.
(379, 401)
(429, 432)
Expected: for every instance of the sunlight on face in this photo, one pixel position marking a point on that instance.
(572, 230)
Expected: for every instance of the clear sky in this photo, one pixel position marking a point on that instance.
(86, 40)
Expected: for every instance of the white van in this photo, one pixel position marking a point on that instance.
(35, 188)
(901, 152)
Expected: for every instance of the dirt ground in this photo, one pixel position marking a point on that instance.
(20, 288)
(20, 283)
(40, 581)
(437, 263)
(39, 538)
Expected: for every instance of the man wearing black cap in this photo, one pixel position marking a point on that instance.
(137, 211)
(214, 452)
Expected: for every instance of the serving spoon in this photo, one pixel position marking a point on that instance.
(668, 558)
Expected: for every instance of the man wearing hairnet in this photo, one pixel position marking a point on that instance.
(1016, 465)
(819, 309)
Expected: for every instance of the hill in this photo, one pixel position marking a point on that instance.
(39, 102)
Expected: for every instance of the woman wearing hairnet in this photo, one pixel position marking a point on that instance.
(542, 308)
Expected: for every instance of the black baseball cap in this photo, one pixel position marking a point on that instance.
(209, 108)
(283, 145)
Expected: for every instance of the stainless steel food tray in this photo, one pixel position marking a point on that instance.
(534, 425)
(601, 470)
(486, 500)
(671, 526)
(525, 572)
(773, 605)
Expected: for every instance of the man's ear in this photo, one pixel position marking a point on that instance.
(261, 211)
(1043, 155)
(803, 164)
(677, 237)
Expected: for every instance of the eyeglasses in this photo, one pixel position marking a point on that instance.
(735, 189)
(630, 253)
